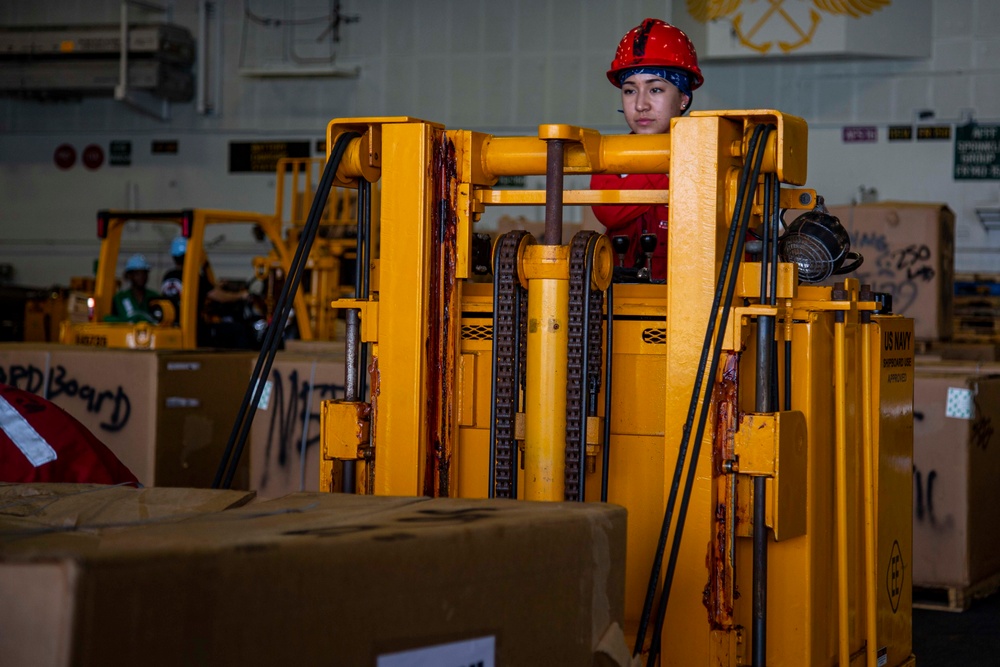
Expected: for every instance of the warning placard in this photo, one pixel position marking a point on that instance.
(263, 156)
(977, 152)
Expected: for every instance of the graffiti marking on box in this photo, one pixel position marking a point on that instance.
(900, 271)
(111, 404)
(290, 400)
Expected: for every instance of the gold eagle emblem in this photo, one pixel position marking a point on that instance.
(712, 10)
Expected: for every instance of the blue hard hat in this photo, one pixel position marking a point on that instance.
(136, 262)
(178, 247)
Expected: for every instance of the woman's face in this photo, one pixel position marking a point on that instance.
(649, 103)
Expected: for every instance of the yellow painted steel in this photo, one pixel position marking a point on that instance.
(406, 212)
(840, 426)
(537, 197)
(868, 465)
(820, 498)
(545, 398)
(892, 396)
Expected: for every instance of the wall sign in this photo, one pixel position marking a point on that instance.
(934, 133)
(900, 133)
(65, 156)
(263, 156)
(120, 154)
(977, 152)
(860, 134)
(93, 156)
(162, 147)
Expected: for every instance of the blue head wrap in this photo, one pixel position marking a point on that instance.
(680, 78)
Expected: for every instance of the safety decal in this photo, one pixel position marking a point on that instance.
(894, 576)
(959, 405)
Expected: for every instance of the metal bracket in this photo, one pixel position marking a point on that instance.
(142, 102)
(775, 446)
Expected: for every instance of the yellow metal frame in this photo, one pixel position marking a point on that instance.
(826, 548)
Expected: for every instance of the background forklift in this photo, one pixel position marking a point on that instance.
(177, 325)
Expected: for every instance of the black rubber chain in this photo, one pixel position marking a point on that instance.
(580, 382)
(509, 313)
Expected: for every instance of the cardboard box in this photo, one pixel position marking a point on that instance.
(984, 352)
(316, 579)
(280, 462)
(167, 415)
(909, 251)
(956, 465)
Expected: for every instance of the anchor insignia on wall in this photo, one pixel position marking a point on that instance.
(711, 10)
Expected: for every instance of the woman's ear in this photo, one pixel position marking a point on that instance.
(685, 102)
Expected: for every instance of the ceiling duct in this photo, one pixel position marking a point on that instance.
(67, 62)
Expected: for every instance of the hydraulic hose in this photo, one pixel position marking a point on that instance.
(272, 338)
(695, 395)
(365, 211)
(763, 403)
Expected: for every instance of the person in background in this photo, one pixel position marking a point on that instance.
(209, 296)
(132, 304)
(41, 442)
(656, 68)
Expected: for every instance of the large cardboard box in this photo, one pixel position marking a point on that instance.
(956, 465)
(909, 251)
(314, 579)
(167, 415)
(281, 461)
(982, 352)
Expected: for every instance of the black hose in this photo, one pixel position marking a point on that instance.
(765, 239)
(365, 210)
(695, 394)
(737, 237)
(775, 230)
(764, 402)
(241, 428)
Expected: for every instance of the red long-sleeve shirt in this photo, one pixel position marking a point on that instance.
(633, 220)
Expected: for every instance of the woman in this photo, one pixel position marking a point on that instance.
(656, 68)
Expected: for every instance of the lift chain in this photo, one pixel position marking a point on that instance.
(509, 314)
(581, 384)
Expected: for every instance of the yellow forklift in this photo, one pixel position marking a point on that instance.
(756, 424)
(332, 250)
(176, 326)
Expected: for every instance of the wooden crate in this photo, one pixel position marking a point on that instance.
(949, 598)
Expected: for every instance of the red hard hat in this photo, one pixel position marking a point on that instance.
(656, 43)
